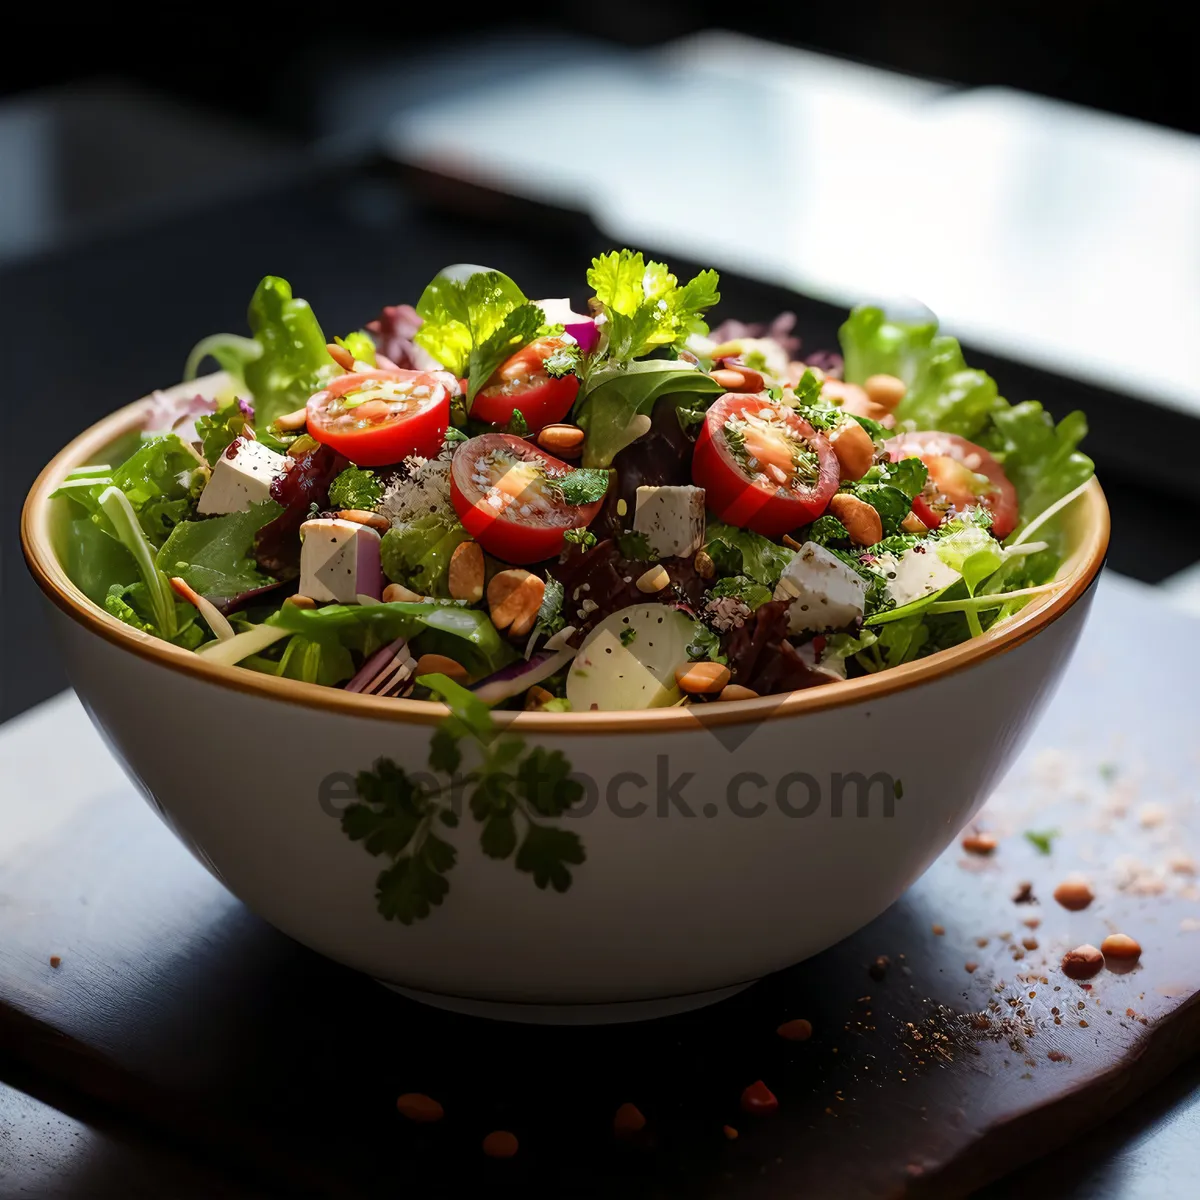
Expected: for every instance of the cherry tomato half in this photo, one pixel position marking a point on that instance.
(522, 382)
(379, 417)
(961, 474)
(504, 492)
(762, 465)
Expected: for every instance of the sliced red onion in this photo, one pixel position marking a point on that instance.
(582, 329)
(513, 680)
(374, 665)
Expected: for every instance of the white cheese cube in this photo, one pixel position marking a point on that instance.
(672, 518)
(241, 478)
(339, 561)
(825, 593)
(916, 573)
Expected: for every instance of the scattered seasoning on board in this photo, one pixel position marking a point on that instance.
(979, 843)
(939, 930)
(879, 968)
(500, 1144)
(798, 1030)
(1024, 893)
(729, 1132)
(55, 961)
(628, 1120)
(759, 1100)
(971, 967)
(1082, 963)
(416, 1106)
(1074, 894)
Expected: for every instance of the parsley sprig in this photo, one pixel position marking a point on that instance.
(511, 792)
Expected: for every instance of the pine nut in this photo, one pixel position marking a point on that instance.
(397, 593)
(729, 379)
(705, 567)
(299, 601)
(860, 519)
(420, 1108)
(565, 441)
(653, 580)
(752, 380)
(439, 664)
(735, 691)
(1074, 894)
(341, 356)
(979, 843)
(360, 516)
(854, 449)
(885, 390)
(1122, 947)
(465, 576)
(537, 698)
(514, 597)
(702, 678)
(1083, 962)
(292, 421)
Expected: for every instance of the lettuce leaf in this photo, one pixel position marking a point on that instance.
(872, 344)
(464, 634)
(740, 552)
(617, 395)
(220, 429)
(324, 662)
(355, 487)
(473, 319)
(284, 363)
(417, 554)
(645, 307)
(215, 555)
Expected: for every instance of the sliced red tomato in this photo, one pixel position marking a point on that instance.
(762, 465)
(379, 417)
(523, 382)
(961, 474)
(504, 491)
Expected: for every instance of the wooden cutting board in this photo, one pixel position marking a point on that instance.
(947, 1045)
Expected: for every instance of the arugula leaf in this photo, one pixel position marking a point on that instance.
(216, 555)
(618, 400)
(740, 552)
(121, 519)
(645, 308)
(355, 487)
(896, 642)
(94, 560)
(826, 529)
(583, 485)
(465, 634)
(471, 712)
(472, 320)
(889, 488)
(131, 603)
(326, 663)
(418, 553)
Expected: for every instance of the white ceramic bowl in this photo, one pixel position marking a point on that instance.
(738, 864)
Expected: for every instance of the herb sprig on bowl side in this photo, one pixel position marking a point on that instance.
(510, 793)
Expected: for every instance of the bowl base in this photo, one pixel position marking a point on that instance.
(571, 1014)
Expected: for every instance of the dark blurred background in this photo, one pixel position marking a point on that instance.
(1030, 170)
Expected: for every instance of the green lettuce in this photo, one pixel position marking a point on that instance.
(739, 552)
(473, 319)
(617, 396)
(215, 555)
(645, 306)
(219, 430)
(325, 662)
(131, 603)
(463, 634)
(889, 488)
(417, 554)
(284, 363)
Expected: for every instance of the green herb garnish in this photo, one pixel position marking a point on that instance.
(1041, 840)
(355, 488)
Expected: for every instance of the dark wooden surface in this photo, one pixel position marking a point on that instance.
(177, 1006)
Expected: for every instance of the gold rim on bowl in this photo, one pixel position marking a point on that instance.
(1078, 571)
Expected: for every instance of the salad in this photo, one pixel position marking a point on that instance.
(609, 509)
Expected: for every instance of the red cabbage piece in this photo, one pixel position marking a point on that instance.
(168, 413)
(304, 484)
(779, 330)
(761, 657)
(393, 331)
